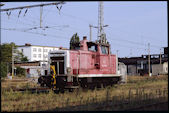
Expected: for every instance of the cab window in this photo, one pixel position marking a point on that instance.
(92, 48)
(104, 49)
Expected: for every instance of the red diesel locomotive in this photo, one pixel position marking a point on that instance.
(88, 65)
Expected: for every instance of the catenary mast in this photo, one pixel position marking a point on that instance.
(101, 36)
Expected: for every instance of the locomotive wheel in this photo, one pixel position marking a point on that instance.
(42, 85)
(41, 81)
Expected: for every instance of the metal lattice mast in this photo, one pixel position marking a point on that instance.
(100, 19)
(101, 36)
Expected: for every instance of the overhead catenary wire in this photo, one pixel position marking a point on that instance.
(115, 39)
(43, 34)
(31, 6)
(132, 42)
(69, 15)
(35, 19)
(119, 45)
(125, 32)
(36, 27)
(110, 27)
(45, 14)
(12, 18)
(72, 16)
(128, 41)
(31, 28)
(20, 22)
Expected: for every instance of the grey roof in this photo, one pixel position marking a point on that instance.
(36, 45)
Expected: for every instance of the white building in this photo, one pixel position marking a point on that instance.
(33, 68)
(122, 71)
(37, 55)
(158, 69)
(35, 52)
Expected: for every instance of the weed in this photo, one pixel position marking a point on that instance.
(143, 88)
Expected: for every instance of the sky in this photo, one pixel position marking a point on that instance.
(131, 25)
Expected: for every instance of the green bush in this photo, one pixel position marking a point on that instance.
(20, 71)
(3, 68)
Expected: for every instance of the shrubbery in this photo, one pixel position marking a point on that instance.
(3, 69)
(20, 71)
(6, 59)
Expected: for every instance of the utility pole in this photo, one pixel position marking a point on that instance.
(41, 10)
(117, 63)
(117, 52)
(7, 68)
(90, 32)
(160, 55)
(12, 62)
(149, 59)
(90, 26)
(130, 52)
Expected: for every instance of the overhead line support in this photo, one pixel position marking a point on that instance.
(31, 6)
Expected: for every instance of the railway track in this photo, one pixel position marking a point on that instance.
(33, 90)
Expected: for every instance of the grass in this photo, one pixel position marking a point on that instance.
(18, 101)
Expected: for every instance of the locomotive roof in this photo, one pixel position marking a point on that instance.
(95, 43)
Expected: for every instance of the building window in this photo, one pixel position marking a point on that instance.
(50, 50)
(39, 55)
(45, 50)
(156, 56)
(34, 55)
(43, 65)
(45, 56)
(166, 56)
(39, 50)
(34, 50)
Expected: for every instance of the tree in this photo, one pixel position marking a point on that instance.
(6, 57)
(20, 71)
(19, 57)
(3, 69)
(74, 39)
(6, 52)
(24, 59)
